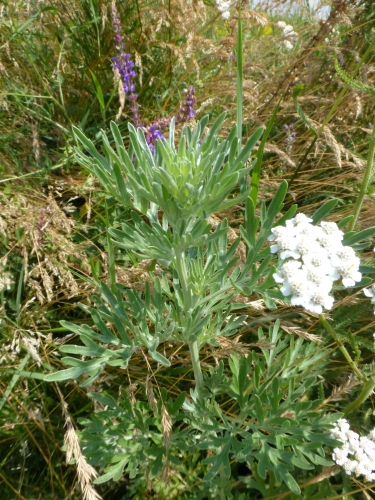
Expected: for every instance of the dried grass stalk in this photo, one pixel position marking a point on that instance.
(272, 148)
(257, 17)
(86, 473)
(166, 423)
(150, 394)
(338, 393)
(300, 332)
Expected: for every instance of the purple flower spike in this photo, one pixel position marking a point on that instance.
(187, 111)
(152, 133)
(123, 63)
(290, 138)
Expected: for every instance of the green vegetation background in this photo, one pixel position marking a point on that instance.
(55, 72)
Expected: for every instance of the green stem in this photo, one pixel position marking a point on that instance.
(188, 307)
(239, 79)
(365, 181)
(365, 393)
(19, 292)
(14, 380)
(342, 348)
(239, 89)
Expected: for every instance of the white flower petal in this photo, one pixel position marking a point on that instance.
(278, 278)
(347, 282)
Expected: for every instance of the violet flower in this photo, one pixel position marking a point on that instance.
(123, 63)
(125, 67)
(152, 133)
(187, 111)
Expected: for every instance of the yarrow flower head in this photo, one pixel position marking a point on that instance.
(357, 453)
(288, 45)
(223, 7)
(290, 36)
(312, 258)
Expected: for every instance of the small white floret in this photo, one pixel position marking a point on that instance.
(332, 229)
(349, 466)
(288, 45)
(339, 456)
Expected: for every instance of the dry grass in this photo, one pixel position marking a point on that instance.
(86, 473)
(173, 47)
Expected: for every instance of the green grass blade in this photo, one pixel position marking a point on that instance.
(239, 89)
(255, 177)
(14, 380)
(19, 292)
(99, 94)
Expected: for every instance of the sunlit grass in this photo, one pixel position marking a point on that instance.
(53, 215)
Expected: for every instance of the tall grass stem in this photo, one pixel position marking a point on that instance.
(239, 89)
(19, 292)
(367, 178)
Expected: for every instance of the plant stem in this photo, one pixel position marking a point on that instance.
(239, 90)
(188, 306)
(367, 389)
(19, 292)
(342, 348)
(365, 181)
(239, 79)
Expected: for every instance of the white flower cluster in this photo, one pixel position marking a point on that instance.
(361, 449)
(289, 34)
(312, 259)
(223, 7)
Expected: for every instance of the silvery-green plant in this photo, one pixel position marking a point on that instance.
(271, 426)
(186, 184)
